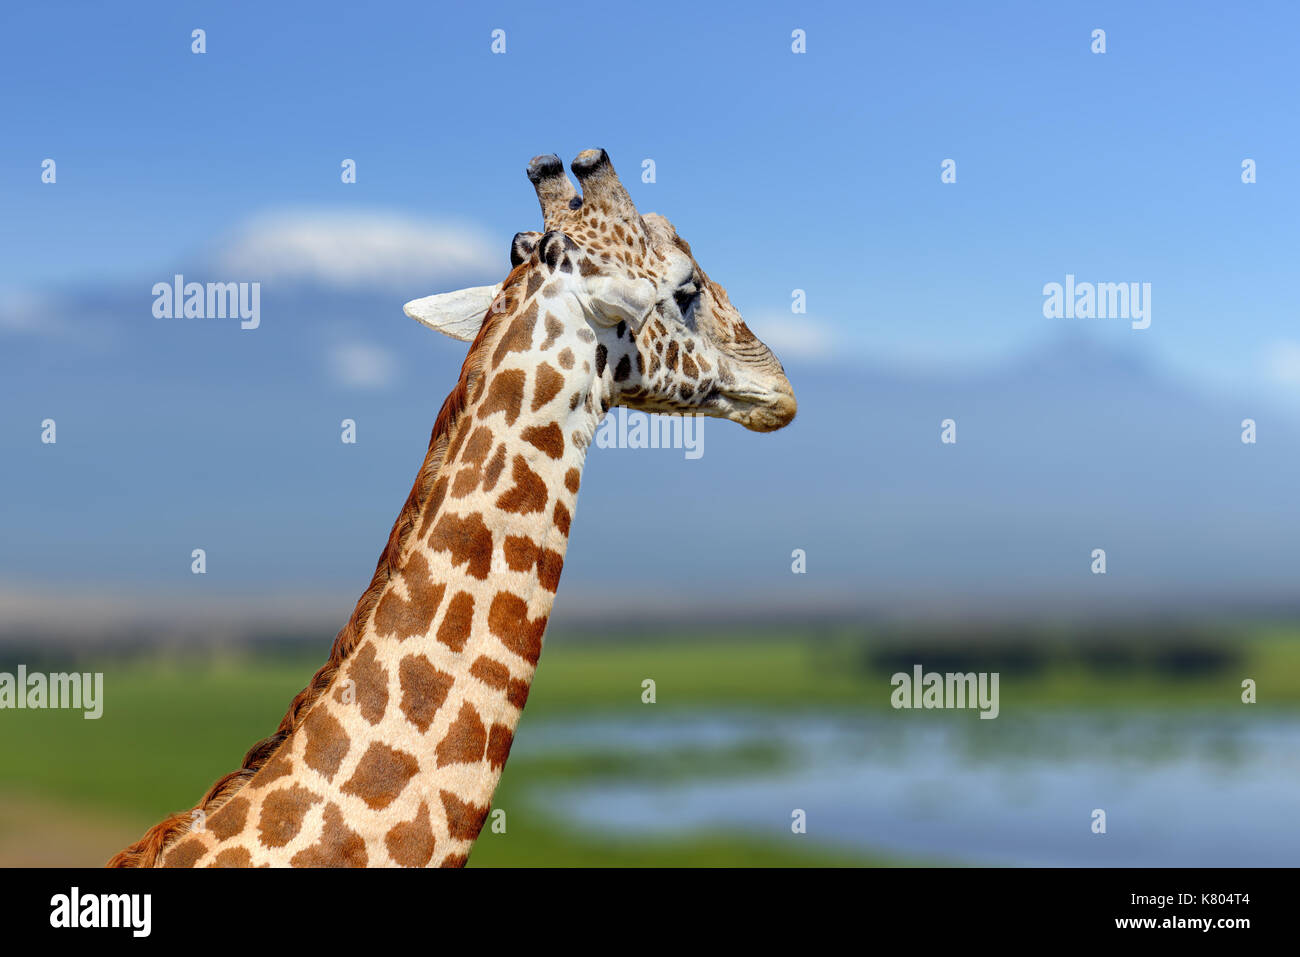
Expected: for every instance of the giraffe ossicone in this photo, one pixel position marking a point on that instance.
(391, 755)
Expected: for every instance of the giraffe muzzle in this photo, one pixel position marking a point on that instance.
(762, 411)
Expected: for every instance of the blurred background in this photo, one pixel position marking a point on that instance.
(816, 172)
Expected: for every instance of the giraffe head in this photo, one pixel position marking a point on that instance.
(668, 338)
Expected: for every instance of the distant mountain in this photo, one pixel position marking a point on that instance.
(183, 433)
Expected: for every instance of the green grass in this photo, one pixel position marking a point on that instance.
(169, 729)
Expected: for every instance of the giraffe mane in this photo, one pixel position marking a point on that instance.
(146, 851)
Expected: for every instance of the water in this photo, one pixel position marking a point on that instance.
(1178, 790)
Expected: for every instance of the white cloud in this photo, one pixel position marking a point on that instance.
(793, 335)
(362, 365)
(359, 249)
(1283, 362)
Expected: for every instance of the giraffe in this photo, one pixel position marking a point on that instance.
(390, 756)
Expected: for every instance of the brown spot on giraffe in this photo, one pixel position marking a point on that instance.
(327, 743)
(565, 358)
(411, 843)
(230, 820)
(520, 553)
(458, 623)
(233, 857)
(517, 692)
(282, 814)
(478, 446)
(185, 854)
(529, 492)
(404, 617)
(505, 394)
(339, 845)
(466, 481)
(431, 509)
(572, 479)
(562, 518)
(457, 438)
(518, 335)
(424, 690)
(470, 544)
(465, 739)
(498, 747)
(549, 383)
(464, 819)
(508, 620)
(549, 565)
(494, 468)
(554, 329)
(489, 671)
(547, 438)
(381, 775)
(277, 767)
(369, 679)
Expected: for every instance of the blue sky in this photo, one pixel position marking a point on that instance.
(818, 172)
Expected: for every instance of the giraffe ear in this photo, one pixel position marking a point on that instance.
(522, 246)
(457, 314)
(616, 300)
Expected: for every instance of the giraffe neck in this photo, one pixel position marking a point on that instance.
(397, 759)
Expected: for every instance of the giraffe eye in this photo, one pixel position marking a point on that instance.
(685, 295)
